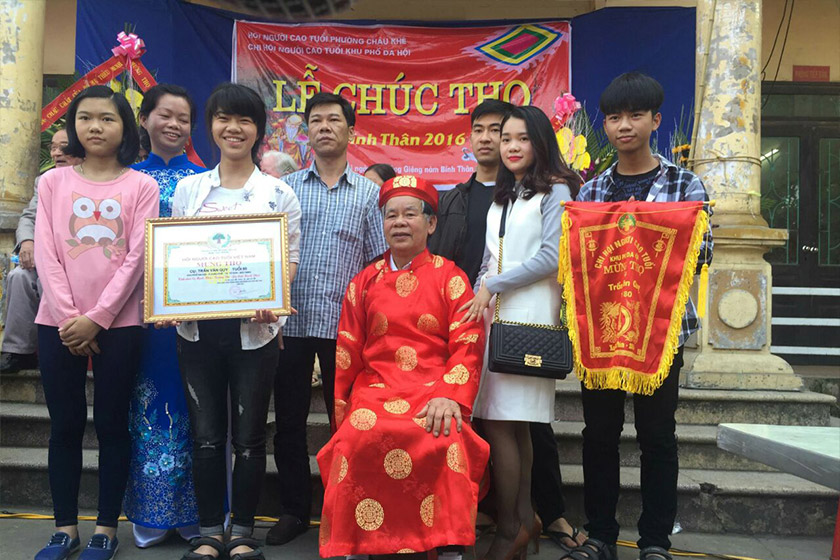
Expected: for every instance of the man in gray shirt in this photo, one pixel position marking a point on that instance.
(23, 290)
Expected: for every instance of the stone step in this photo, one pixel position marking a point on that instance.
(712, 407)
(696, 406)
(709, 501)
(28, 425)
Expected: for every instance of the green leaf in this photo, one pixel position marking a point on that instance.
(72, 242)
(120, 242)
(106, 252)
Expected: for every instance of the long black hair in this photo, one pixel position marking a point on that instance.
(236, 99)
(548, 167)
(130, 145)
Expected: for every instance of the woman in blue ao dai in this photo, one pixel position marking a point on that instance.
(160, 495)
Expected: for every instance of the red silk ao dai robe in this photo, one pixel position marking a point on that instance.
(389, 485)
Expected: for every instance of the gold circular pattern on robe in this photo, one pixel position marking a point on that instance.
(406, 358)
(458, 375)
(405, 551)
(397, 406)
(363, 419)
(420, 422)
(379, 276)
(406, 284)
(369, 514)
(379, 324)
(380, 264)
(454, 326)
(377, 385)
(398, 464)
(437, 260)
(457, 287)
(342, 357)
(429, 384)
(428, 322)
(455, 458)
(351, 293)
(427, 510)
(339, 468)
(347, 335)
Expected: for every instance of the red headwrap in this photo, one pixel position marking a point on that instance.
(409, 185)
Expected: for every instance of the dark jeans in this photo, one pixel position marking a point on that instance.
(603, 412)
(212, 368)
(63, 376)
(292, 392)
(546, 482)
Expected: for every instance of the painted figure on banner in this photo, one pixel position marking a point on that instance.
(161, 496)
(402, 471)
(289, 136)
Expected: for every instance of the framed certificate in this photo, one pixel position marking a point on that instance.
(216, 267)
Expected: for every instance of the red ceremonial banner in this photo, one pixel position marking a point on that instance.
(413, 87)
(626, 270)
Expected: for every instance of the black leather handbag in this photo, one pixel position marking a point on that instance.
(529, 349)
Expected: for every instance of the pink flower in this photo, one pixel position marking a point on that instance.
(564, 107)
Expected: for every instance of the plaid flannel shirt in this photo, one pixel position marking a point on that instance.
(672, 184)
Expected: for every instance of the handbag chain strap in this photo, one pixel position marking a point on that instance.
(496, 318)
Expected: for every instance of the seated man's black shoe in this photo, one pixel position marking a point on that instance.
(286, 529)
(13, 363)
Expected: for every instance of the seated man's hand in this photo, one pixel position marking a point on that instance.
(441, 410)
(27, 254)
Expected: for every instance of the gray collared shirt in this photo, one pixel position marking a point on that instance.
(341, 231)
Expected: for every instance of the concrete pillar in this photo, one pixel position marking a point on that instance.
(21, 78)
(734, 344)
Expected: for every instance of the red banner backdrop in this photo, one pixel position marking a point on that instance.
(413, 87)
(626, 270)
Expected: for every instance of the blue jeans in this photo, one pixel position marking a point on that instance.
(63, 376)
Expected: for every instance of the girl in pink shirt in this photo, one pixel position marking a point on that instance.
(89, 231)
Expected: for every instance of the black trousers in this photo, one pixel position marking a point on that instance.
(211, 367)
(63, 376)
(292, 393)
(603, 412)
(546, 482)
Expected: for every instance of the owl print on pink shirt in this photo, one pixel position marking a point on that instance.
(96, 224)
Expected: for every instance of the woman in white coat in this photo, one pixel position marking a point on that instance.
(532, 182)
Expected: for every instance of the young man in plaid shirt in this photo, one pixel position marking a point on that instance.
(631, 108)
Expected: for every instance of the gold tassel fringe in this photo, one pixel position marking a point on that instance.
(628, 379)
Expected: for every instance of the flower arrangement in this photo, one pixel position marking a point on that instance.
(583, 147)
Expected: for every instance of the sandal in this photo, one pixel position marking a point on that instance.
(204, 541)
(254, 554)
(592, 549)
(559, 536)
(654, 553)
